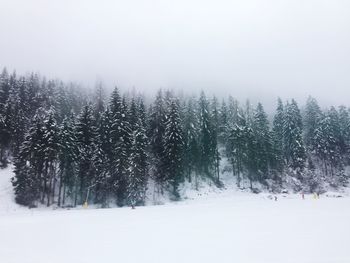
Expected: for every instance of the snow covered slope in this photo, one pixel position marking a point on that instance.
(7, 202)
(242, 228)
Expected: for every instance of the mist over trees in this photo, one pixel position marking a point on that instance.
(68, 146)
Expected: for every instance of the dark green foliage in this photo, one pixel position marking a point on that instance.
(277, 137)
(69, 147)
(137, 177)
(156, 133)
(173, 146)
(86, 144)
(191, 143)
(206, 150)
(312, 116)
(67, 159)
(294, 150)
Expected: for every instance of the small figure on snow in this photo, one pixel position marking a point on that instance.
(275, 198)
(302, 195)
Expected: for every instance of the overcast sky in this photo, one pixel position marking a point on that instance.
(259, 49)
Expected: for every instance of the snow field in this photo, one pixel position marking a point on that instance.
(242, 228)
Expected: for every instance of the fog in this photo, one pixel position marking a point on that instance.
(257, 49)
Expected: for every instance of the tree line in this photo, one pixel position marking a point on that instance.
(69, 146)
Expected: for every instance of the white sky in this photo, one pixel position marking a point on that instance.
(259, 49)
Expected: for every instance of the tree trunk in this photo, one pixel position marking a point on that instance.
(49, 192)
(76, 192)
(64, 194)
(59, 190)
(46, 190)
(53, 174)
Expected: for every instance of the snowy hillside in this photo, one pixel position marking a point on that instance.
(7, 202)
(215, 227)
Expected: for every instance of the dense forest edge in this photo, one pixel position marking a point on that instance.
(69, 146)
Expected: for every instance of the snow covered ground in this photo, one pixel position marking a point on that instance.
(226, 227)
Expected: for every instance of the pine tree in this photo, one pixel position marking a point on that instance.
(86, 139)
(4, 89)
(191, 147)
(250, 159)
(277, 136)
(25, 183)
(327, 136)
(312, 117)
(236, 149)
(223, 123)
(16, 108)
(336, 158)
(214, 138)
(5, 135)
(322, 134)
(143, 142)
(263, 142)
(137, 177)
(104, 158)
(115, 106)
(28, 182)
(67, 159)
(173, 145)
(344, 131)
(99, 97)
(294, 149)
(233, 109)
(156, 133)
(50, 148)
(207, 155)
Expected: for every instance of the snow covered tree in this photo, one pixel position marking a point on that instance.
(277, 136)
(5, 118)
(5, 135)
(156, 133)
(4, 88)
(312, 116)
(137, 176)
(263, 140)
(233, 111)
(121, 140)
(294, 149)
(99, 101)
(67, 159)
(16, 108)
(236, 150)
(28, 181)
(191, 147)
(328, 147)
(104, 158)
(86, 138)
(344, 133)
(123, 150)
(173, 146)
(325, 141)
(207, 152)
(223, 123)
(215, 119)
(50, 145)
(250, 156)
